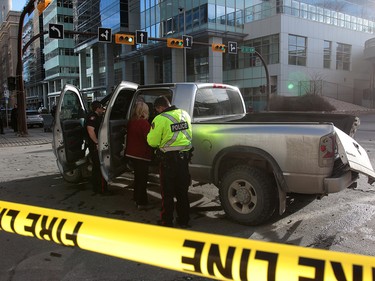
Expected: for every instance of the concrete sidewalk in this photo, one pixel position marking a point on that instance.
(36, 136)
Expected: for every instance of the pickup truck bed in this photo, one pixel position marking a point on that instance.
(345, 122)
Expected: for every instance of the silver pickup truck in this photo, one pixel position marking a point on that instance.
(255, 164)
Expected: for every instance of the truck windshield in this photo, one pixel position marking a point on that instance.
(217, 102)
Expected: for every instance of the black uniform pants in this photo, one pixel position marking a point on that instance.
(140, 181)
(175, 182)
(99, 184)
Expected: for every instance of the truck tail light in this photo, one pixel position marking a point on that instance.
(327, 150)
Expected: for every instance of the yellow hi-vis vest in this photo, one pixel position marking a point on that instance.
(171, 131)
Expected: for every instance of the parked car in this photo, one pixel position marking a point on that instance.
(34, 118)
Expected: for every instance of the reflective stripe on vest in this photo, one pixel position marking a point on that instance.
(167, 147)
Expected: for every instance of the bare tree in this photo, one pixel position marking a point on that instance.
(313, 86)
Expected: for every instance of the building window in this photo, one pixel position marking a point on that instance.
(267, 46)
(297, 50)
(327, 54)
(343, 53)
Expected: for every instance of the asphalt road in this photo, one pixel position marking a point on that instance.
(341, 222)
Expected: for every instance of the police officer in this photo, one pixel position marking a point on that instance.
(93, 121)
(171, 135)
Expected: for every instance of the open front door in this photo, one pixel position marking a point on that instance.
(69, 131)
(112, 133)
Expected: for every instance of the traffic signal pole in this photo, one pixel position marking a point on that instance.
(268, 86)
(21, 98)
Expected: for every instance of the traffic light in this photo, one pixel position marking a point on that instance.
(175, 43)
(42, 5)
(218, 48)
(127, 39)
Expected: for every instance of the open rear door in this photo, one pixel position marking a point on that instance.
(69, 131)
(112, 133)
(354, 155)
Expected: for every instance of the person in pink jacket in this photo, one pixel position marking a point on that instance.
(139, 152)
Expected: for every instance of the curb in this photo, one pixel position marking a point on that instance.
(24, 142)
(36, 137)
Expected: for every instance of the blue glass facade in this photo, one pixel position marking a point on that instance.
(92, 14)
(166, 18)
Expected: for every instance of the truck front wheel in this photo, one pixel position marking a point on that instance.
(73, 176)
(248, 195)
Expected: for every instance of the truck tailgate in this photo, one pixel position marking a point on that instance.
(354, 155)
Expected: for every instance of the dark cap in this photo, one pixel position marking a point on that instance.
(162, 101)
(95, 105)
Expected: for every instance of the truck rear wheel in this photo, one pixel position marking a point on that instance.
(248, 195)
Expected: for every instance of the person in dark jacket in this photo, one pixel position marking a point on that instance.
(1, 123)
(93, 121)
(140, 152)
(14, 118)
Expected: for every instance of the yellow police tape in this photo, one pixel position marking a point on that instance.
(209, 255)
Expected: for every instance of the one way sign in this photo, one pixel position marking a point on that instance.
(56, 31)
(188, 41)
(141, 37)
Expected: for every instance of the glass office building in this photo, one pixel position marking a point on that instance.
(303, 43)
(61, 62)
(99, 69)
(33, 60)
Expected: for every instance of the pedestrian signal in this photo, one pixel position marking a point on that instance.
(175, 43)
(218, 48)
(127, 39)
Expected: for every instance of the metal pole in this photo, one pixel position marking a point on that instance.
(182, 9)
(268, 86)
(185, 62)
(21, 99)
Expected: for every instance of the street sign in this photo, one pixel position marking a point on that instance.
(56, 31)
(188, 41)
(6, 93)
(105, 35)
(249, 50)
(141, 37)
(232, 47)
